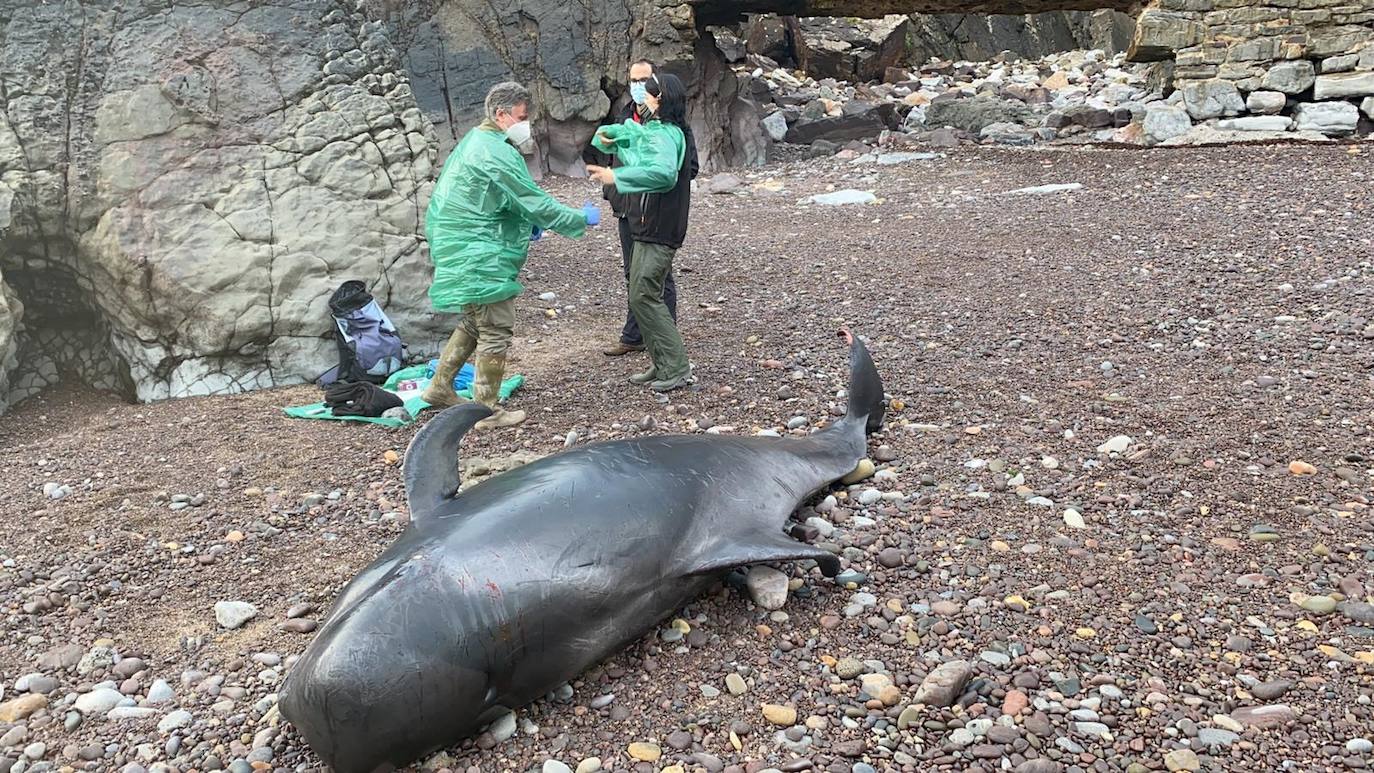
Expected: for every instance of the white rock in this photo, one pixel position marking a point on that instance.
(554, 766)
(160, 692)
(1116, 445)
(1211, 98)
(776, 126)
(176, 720)
(504, 727)
(767, 586)
(1043, 189)
(1346, 84)
(232, 614)
(99, 701)
(1163, 123)
(1290, 77)
(131, 712)
(889, 159)
(847, 196)
(1074, 519)
(1257, 123)
(962, 737)
(1368, 104)
(1330, 118)
(1266, 102)
(874, 683)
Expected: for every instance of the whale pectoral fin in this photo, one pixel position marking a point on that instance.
(764, 549)
(431, 461)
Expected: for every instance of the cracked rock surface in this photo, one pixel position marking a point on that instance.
(197, 179)
(11, 314)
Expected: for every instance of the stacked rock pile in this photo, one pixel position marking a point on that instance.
(1076, 96)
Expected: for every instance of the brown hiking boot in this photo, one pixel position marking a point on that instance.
(440, 392)
(486, 389)
(621, 348)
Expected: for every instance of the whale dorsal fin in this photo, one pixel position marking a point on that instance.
(431, 462)
(763, 548)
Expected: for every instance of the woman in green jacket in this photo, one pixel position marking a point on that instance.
(657, 189)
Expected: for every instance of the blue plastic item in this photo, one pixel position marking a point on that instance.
(461, 381)
(536, 233)
(592, 212)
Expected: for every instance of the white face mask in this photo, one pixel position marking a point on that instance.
(519, 135)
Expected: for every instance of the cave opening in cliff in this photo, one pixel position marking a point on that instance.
(62, 335)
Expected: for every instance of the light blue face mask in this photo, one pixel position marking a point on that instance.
(638, 91)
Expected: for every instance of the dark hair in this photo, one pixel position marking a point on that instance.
(644, 61)
(672, 106)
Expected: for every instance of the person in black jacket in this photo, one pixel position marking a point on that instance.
(631, 340)
(655, 177)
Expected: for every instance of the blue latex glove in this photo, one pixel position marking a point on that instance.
(592, 212)
(536, 233)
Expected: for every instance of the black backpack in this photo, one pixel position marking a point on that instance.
(370, 349)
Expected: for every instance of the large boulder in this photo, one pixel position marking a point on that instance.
(1334, 119)
(1290, 77)
(197, 179)
(1212, 98)
(1348, 84)
(1164, 122)
(857, 121)
(773, 36)
(852, 50)
(972, 114)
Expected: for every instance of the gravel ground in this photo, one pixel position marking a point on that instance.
(1121, 501)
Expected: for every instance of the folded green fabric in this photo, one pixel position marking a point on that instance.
(413, 405)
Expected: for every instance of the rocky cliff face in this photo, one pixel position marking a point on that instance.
(976, 37)
(860, 50)
(11, 318)
(574, 57)
(190, 182)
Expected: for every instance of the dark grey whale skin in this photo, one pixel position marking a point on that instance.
(495, 596)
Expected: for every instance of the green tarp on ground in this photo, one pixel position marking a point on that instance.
(413, 405)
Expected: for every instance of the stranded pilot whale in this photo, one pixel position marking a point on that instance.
(496, 595)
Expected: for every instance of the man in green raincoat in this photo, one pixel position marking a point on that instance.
(479, 220)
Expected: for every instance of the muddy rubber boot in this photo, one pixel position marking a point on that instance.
(459, 348)
(645, 377)
(486, 389)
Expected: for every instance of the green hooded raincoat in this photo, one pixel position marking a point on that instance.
(479, 221)
(650, 155)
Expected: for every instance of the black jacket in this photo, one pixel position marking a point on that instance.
(657, 218)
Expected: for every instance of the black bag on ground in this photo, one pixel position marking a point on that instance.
(370, 349)
(359, 398)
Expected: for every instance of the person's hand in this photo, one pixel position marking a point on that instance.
(603, 139)
(601, 174)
